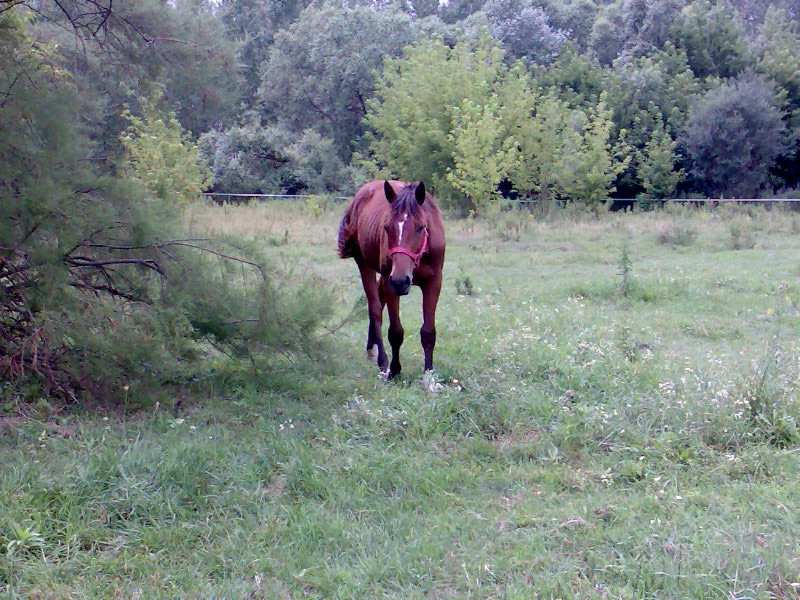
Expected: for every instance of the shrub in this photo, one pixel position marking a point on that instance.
(101, 295)
(678, 234)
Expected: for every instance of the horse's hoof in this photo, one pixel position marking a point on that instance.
(384, 374)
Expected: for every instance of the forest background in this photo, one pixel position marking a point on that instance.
(115, 116)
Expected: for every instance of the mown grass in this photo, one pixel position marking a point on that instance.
(587, 440)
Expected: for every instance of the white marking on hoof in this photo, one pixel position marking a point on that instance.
(430, 382)
(372, 355)
(384, 375)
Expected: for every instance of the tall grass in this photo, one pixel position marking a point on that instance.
(582, 443)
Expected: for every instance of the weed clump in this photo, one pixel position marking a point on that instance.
(677, 234)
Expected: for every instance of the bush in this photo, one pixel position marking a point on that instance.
(734, 137)
(678, 234)
(255, 159)
(101, 297)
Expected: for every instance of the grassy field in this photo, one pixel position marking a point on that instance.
(616, 417)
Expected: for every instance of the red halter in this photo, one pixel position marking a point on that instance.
(416, 257)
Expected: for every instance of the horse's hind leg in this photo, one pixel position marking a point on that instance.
(395, 326)
(375, 304)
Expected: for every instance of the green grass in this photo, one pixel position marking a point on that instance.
(584, 443)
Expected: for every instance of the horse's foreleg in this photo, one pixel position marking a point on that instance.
(427, 334)
(375, 304)
(396, 332)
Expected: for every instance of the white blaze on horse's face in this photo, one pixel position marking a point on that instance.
(402, 265)
(400, 227)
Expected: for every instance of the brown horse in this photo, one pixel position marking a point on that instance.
(394, 229)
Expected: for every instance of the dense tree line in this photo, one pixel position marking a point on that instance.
(112, 114)
(579, 100)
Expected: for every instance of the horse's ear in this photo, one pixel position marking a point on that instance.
(388, 191)
(420, 193)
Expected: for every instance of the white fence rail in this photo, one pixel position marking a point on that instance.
(222, 197)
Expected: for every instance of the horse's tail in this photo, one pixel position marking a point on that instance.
(347, 241)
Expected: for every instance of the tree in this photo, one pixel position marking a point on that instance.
(524, 30)
(458, 10)
(253, 24)
(270, 159)
(656, 165)
(733, 138)
(779, 49)
(590, 168)
(579, 78)
(648, 94)
(713, 37)
(566, 154)
(779, 53)
(657, 28)
(413, 114)
(482, 155)
(317, 166)
(129, 49)
(99, 290)
(161, 157)
(320, 71)
(250, 158)
(574, 17)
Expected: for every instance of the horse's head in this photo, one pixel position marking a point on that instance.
(406, 232)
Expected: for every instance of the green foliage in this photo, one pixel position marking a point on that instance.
(648, 92)
(101, 298)
(249, 159)
(22, 539)
(656, 166)
(780, 54)
(593, 165)
(118, 52)
(624, 268)
(253, 24)
(779, 47)
(742, 234)
(498, 127)
(316, 164)
(579, 78)
(679, 233)
(545, 139)
(713, 37)
(161, 157)
(306, 85)
(566, 153)
(464, 285)
(734, 137)
(524, 29)
(413, 116)
(255, 159)
(481, 157)
(610, 30)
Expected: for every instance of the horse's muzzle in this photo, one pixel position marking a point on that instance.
(401, 286)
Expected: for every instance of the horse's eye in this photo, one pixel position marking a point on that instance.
(420, 228)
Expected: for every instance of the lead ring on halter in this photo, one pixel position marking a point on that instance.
(414, 256)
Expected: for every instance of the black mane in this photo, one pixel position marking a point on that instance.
(406, 202)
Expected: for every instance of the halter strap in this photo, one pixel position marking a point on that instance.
(414, 256)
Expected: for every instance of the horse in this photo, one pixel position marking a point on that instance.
(394, 232)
